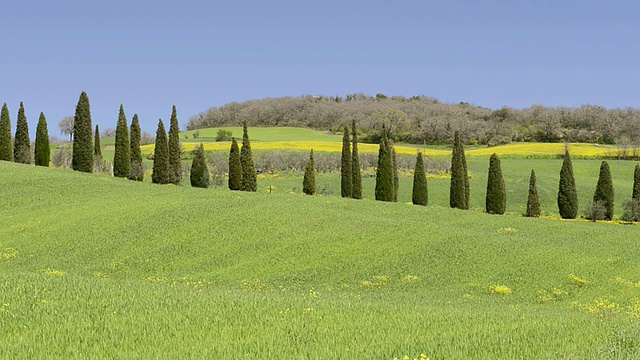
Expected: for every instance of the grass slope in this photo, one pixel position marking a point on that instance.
(98, 267)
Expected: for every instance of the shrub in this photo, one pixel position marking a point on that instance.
(223, 135)
(631, 210)
(596, 210)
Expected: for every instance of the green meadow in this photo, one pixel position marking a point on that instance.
(97, 267)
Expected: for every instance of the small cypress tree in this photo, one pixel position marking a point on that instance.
(199, 171)
(309, 181)
(82, 136)
(249, 178)
(604, 190)
(384, 172)
(122, 156)
(394, 166)
(160, 173)
(22, 143)
(345, 165)
(420, 195)
(137, 170)
(567, 195)
(6, 147)
(459, 188)
(636, 183)
(42, 149)
(533, 202)
(175, 164)
(496, 199)
(97, 149)
(235, 167)
(356, 178)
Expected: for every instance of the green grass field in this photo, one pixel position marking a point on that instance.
(97, 267)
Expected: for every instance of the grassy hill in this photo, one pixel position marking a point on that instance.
(98, 267)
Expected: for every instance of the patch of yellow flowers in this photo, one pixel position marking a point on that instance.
(420, 357)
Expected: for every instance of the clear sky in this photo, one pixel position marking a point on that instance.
(150, 55)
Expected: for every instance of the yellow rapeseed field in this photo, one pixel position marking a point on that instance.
(524, 149)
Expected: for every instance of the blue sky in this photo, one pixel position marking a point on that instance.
(150, 55)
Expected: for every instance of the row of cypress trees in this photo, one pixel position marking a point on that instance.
(351, 178)
(19, 150)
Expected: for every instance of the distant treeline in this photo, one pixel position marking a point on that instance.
(422, 119)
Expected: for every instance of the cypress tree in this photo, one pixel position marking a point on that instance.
(122, 156)
(636, 183)
(97, 149)
(394, 165)
(345, 165)
(356, 178)
(199, 171)
(533, 202)
(235, 166)
(6, 147)
(459, 188)
(496, 199)
(384, 172)
(137, 170)
(175, 164)
(420, 195)
(309, 181)
(42, 150)
(22, 143)
(249, 178)
(160, 173)
(567, 195)
(82, 136)
(604, 190)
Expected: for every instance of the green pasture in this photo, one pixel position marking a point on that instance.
(263, 134)
(97, 267)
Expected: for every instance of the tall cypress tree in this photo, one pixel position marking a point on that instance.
(137, 170)
(82, 136)
(22, 143)
(175, 164)
(420, 194)
(533, 202)
(42, 149)
(6, 147)
(97, 149)
(567, 195)
(249, 178)
(199, 173)
(384, 172)
(394, 166)
(122, 156)
(235, 167)
(160, 173)
(459, 188)
(309, 180)
(496, 199)
(345, 166)
(356, 178)
(636, 183)
(604, 190)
